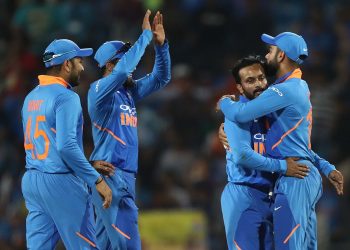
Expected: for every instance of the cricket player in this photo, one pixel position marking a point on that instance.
(54, 184)
(247, 198)
(288, 103)
(111, 105)
(256, 231)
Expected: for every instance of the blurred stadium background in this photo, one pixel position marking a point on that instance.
(182, 164)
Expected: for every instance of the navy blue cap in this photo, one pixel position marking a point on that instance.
(61, 50)
(108, 51)
(290, 43)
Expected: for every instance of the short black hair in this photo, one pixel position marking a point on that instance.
(54, 69)
(245, 62)
(57, 68)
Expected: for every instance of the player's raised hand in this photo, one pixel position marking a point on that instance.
(158, 29)
(295, 169)
(146, 25)
(103, 167)
(105, 192)
(336, 178)
(223, 137)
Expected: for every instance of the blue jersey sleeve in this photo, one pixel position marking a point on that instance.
(322, 165)
(106, 86)
(68, 111)
(159, 77)
(248, 158)
(269, 101)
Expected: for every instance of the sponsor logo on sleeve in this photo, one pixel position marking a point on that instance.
(276, 90)
(97, 85)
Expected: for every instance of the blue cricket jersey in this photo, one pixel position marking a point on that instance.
(288, 103)
(53, 127)
(245, 165)
(112, 107)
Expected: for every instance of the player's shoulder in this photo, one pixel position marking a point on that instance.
(69, 93)
(67, 96)
(291, 82)
(58, 90)
(296, 86)
(31, 93)
(279, 89)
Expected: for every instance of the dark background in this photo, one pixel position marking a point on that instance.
(182, 164)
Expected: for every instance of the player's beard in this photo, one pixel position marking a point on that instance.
(254, 94)
(272, 67)
(74, 77)
(258, 91)
(248, 95)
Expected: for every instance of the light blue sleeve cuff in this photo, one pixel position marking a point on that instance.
(283, 166)
(91, 180)
(148, 34)
(329, 169)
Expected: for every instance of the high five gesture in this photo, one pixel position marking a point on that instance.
(158, 29)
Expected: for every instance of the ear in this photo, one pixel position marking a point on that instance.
(67, 66)
(239, 87)
(281, 56)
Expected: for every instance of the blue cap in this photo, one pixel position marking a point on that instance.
(61, 50)
(108, 51)
(290, 43)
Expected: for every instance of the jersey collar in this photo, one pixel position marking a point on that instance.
(292, 74)
(48, 80)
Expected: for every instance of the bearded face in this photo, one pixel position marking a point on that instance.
(253, 81)
(76, 69)
(271, 61)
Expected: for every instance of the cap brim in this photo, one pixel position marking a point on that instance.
(268, 39)
(85, 52)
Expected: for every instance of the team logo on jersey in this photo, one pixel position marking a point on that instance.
(128, 109)
(259, 143)
(260, 137)
(128, 116)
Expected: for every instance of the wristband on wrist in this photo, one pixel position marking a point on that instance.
(99, 180)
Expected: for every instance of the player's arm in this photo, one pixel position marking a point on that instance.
(269, 101)
(68, 110)
(159, 77)
(322, 165)
(248, 158)
(251, 159)
(107, 86)
(161, 72)
(327, 169)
